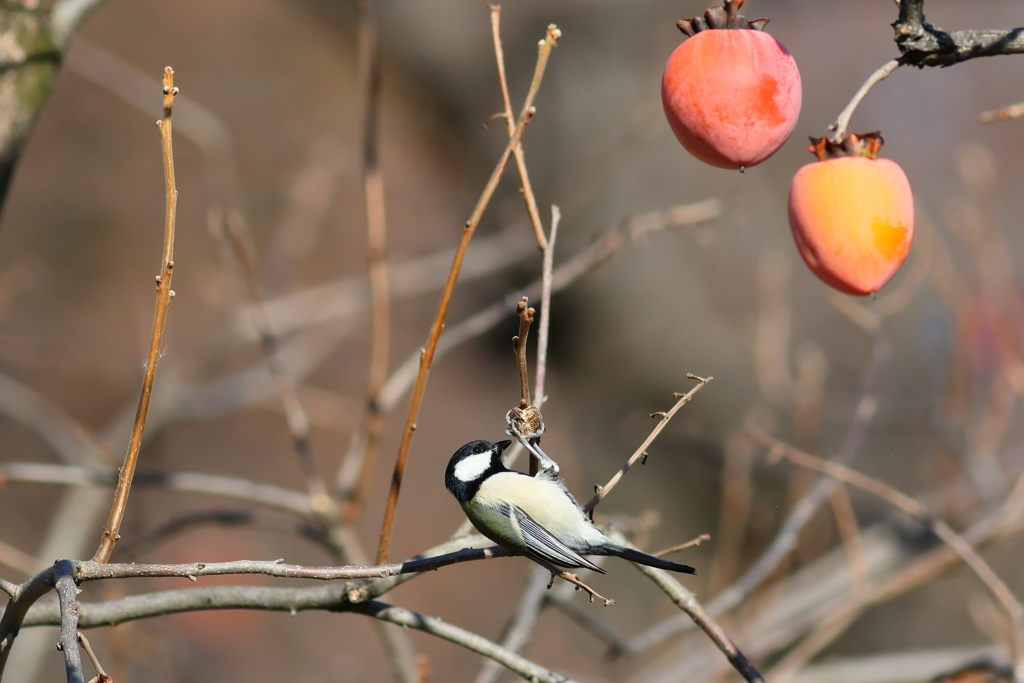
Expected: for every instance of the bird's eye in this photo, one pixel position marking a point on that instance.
(479, 448)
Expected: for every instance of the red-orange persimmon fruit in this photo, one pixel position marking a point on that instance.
(852, 214)
(731, 91)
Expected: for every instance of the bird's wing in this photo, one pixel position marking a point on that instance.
(544, 545)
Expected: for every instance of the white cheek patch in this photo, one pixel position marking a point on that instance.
(469, 469)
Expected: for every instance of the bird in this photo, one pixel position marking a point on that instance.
(534, 516)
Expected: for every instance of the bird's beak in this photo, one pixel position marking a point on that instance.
(502, 445)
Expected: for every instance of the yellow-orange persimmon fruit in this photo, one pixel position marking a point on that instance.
(731, 92)
(852, 214)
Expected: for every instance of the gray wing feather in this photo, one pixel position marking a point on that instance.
(544, 545)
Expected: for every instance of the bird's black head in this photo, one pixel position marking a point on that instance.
(471, 465)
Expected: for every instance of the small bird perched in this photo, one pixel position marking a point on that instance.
(532, 516)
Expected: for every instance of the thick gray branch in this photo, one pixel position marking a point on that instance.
(67, 594)
(923, 44)
(334, 598)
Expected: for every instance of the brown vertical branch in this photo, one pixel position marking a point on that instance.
(531, 201)
(427, 356)
(163, 300)
(230, 224)
(373, 182)
(526, 316)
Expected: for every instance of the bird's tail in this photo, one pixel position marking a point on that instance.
(649, 560)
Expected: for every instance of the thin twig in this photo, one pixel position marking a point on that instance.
(101, 675)
(1014, 111)
(575, 580)
(603, 249)
(367, 440)
(683, 546)
(687, 601)
(786, 538)
(527, 189)
(163, 300)
(544, 325)
(427, 356)
(526, 316)
(67, 593)
(641, 452)
(231, 226)
(849, 533)
(839, 127)
(915, 509)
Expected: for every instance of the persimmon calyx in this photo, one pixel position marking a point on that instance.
(853, 145)
(720, 16)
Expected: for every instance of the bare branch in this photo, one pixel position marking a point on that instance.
(163, 300)
(923, 44)
(687, 601)
(427, 357)
(839, 127)
(683, 546)
(67, 592)
(912, 507)
(527, 189)
(786, 538)
(94, 571)
(641, 452)
(101, 675)
(467, 639)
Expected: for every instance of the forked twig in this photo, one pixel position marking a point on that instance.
(575, 580)
(531, 201)
(163, 300)
(641, 452)
(427, 355)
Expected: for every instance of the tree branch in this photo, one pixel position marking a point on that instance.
(923, 44)
(163, 300)
(67, 593)
(427, 357)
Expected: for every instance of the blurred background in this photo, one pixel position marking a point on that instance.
(274, 116)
